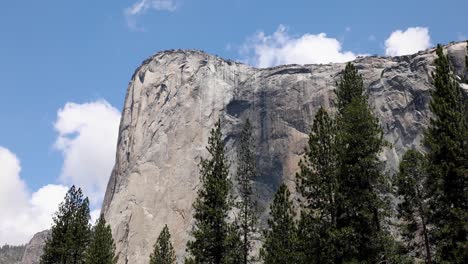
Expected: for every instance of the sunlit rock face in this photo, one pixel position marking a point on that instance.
(34, 248)
(175, 97)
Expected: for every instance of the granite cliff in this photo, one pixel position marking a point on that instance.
(24, 254)
(33, 250)
(175, 97)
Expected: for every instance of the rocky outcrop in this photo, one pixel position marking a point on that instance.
(34, 248)
(25, 254)
(175, 97)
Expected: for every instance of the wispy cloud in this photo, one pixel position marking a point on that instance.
(142, 6)
(264, 50)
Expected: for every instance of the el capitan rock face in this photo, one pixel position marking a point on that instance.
(175, 97)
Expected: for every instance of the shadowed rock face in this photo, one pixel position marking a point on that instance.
(175, 97)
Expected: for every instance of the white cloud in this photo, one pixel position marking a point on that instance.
(281, 48)
(11, 184)
(407, 42)
(142, 6)
(87, 138)
(94, 215)
(23, 213)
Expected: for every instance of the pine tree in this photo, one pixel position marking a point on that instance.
(70, 233)
(318, 184)
(246, 172)
(210, 231)
(317, 179)
(413, 210)
(447, 142)
(163, 251)
(350, 86)
(234, 244)
(361, 208)
(101, 249)
(281, 236)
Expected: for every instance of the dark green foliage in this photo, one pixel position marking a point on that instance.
(280, 243)
(234, 244)
(70, 233)
(317, 179)
(212, 205)
(163, 251)
(413, 210)
(318, 240)
(361, 210)
(318, 184)
(350, 86)
(246, 172)
(189, 260)
(447, 142)
(341, 184)
(101, 249)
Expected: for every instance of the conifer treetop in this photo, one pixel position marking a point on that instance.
(163, 252)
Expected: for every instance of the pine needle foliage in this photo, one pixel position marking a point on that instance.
(163, 252)
(280, 244)
(413, 209)
(246, 173)
(212, 205)
(447, 142)
(361, 209)
(317, 182)
(70, 232)
(101, 249)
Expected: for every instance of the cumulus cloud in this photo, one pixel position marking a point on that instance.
(264, 50)
(407, 42)
(23, 213)
(142, 6)
(87, 138)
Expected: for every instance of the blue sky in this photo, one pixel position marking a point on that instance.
(54, 52)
